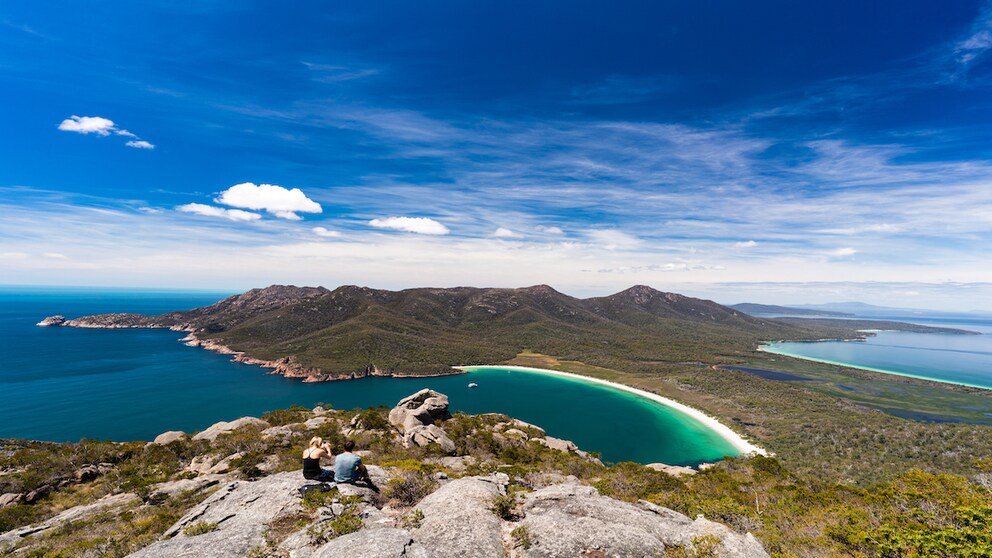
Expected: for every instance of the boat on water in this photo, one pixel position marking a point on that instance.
(473, 385)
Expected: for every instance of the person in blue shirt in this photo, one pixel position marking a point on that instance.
(348, 467)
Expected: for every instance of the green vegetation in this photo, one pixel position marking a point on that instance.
(521, 537)
(915, 514)
(352, 330)
(199, 528)
(413, 519)
(409, 487)
(505, 507)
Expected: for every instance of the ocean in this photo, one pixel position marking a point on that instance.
(942, 357)
(64, 384)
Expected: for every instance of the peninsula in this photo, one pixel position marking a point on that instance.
(318, 334)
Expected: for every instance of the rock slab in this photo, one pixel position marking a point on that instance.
(572, 520)
(386, 542)
(457, 519)
(241, 510)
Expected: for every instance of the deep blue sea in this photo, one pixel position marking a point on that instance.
(64, 384)
(958, 359)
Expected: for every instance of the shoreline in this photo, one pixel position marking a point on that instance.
(766, 349)
(722, 430)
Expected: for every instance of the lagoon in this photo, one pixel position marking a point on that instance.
(957, 359)
(63, 384)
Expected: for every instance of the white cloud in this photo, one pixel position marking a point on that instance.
(150, 210)
(419, 225)
(880, 227)
(281, 202)
(326, 233)
(745, 244)
(102, 127)
(213, 211)
(843, 252)
(56, 256)
(139, 144)
(504, 232)
(13, 256)
(551, 230)
(613, 239)
(88, 125)
(978, 41)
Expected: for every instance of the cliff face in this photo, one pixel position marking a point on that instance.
(353, 331)
(466, 486)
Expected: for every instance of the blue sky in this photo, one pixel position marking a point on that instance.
(761, 151)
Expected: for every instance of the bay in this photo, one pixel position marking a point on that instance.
(64, 384)
(942, 357)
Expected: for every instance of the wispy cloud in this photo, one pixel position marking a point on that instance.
(326, 233)
(214, 211)
(977, 42)
(419, 225)
(843, 252)
(101, 126)
(140, 144)
(503, 232)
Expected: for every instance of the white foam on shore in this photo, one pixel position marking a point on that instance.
(724, 431)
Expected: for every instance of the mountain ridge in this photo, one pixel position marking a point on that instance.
(352, 331)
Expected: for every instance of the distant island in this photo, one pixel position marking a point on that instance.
(771, 309)
(317, 334)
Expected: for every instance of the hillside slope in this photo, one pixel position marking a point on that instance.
(352, 331)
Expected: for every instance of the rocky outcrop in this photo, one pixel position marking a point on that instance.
(241, 510)
(414, 417)
(386, 542)
(10, 499)
(420, 409)
(423, 436)
(169, 437)
(115, 503)
(458, 521)
(573, 520)
(52, 321)
(222, 427)
(87, 473)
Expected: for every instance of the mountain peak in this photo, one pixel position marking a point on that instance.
(640, 294)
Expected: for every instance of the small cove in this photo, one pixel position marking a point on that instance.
(63, 384)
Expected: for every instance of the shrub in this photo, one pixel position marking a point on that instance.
(373, 419)
(521, 537)
(505, 507)
(413, 519)
(315, 499)
(199, 528)
(409, 488)
(282, 417)
(632, 481)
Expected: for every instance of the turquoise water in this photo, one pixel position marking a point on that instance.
(64, 384)
(957, 359)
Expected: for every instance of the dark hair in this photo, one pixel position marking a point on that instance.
(349, 445)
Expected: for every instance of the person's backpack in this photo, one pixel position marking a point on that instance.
(318, 487)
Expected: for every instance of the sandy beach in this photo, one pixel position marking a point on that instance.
(735, 439)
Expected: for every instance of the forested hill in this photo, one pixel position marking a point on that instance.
(427, 330)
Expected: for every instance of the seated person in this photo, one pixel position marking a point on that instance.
(317, 449)
(348, 467)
